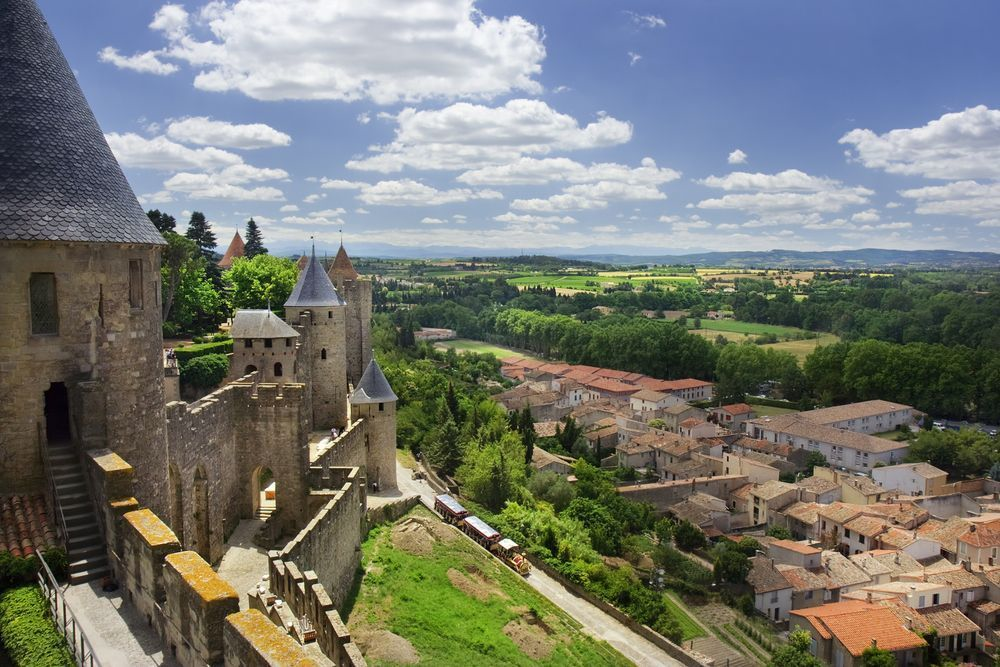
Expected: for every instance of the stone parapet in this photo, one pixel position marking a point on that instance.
(147, 541)
(252, 640)
(197, 603)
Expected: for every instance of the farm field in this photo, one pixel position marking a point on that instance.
(751, 328)
(802, 348)
(731, 336)
(479, 347)
(595, 283)
(690, 626)
(769, 410)
(429, 595)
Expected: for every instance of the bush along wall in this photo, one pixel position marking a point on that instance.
(27, 631)
(189, 352)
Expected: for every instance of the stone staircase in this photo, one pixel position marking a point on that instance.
(85, 550)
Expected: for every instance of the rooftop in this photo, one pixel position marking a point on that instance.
(735, 409)
(342, 268)
(839, 413)
(772, 489)
(313, 288)
(260, 324)
(58, 178)
(650, 395)
(373, 387)
(797, 547)
(817, 485)
(797, 426)
(857, 629)
(764, 577)
(925, 470)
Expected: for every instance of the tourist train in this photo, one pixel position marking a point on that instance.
(503, 548)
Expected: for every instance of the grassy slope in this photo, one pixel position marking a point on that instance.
(690, 626)
(412, 596)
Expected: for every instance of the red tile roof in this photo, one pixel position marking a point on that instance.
(24, 526)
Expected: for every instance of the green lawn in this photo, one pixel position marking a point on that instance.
(456, 605)
(690, 626)
(801, 349)
(597, 283)
(769, 411)
(897, 436)
(479, 347)
(751, 328)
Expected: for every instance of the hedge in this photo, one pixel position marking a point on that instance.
(773, 402)
(206, 371)
(27, 631)
(22, 570)
(190, 352)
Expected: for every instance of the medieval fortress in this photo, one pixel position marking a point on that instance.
(147, 490)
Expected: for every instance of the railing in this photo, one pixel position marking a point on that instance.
(64, 619)
(47, 464)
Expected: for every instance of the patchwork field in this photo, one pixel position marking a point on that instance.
(596, 283)
(430, 595)
(479, 347)
(802, 348)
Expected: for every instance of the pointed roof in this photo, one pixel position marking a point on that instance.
(303, 261)
(342, 268)
(373, 387)
(260, 324)
(235, 249)
(58, 178)
(314, 287)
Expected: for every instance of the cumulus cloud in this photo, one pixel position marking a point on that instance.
(407, 192)
(737, 157)
(534, 219)
(787, 197)
(633, 58)
(966, 198)
(469, 136)
(606, 229)
(960, 145)
(433, 221)
(205, 131)
(133, 150)
(534, 171)
(384, 50)
(147, 62)
(289, 208)
(338, 184)
(228, 183)
(871, 215)
(313, 198)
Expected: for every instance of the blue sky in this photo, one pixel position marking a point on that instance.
(556, 125)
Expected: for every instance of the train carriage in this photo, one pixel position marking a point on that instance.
(509, 552)
(450, 509)
(480, 531)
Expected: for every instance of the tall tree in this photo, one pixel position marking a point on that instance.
(162, 221)
(180, 256)
(795, 653)
(526, 425)
(260, 280)
(254, 244)
(200, 231)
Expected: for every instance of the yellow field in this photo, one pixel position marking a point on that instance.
(801, 348)
(733, 336)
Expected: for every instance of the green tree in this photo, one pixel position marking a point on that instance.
(814, 460)
(688, 536)
(779, 533)
(261, 280)
(553, 488)
(445, 450)
(255, 241)
(200, 231)
(179, 258)
(205, 371)
(605, 530)
(795, 653)
(162, 221)
(493, 470)
(730, 564)
(873, 656)
(569, 434)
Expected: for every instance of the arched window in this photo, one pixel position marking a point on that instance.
(322, 353)
(277, 370)
(250, 369)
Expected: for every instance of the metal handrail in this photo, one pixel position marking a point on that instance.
(55, 495)
(64, 618)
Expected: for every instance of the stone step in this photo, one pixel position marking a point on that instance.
(88, 551)
(89, 575)
(80, 519)
(90, 563)
(72, 488)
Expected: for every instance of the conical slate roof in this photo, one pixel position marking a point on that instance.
(373, 387)
(314, 287)
(58, 178)
(235, 249)
(342, 268)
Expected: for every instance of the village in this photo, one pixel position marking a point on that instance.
(875, 551)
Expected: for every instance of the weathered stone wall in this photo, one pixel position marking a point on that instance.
(380, 442)
(348, 450)
(260, 359)
(253, 641)
(216, 447)
(197, 603)
(323, 329)
(391, 511)
(330, 544)
(358, 294)
(102, 341)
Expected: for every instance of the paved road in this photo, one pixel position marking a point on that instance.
(594, 621)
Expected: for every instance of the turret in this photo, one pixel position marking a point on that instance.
(374, 401)
(358, 293)
(265, 344)
(319, 312)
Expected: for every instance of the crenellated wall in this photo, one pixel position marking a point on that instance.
(348, 449)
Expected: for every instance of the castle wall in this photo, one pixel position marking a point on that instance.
(262, 359)
(329, 545)
(101, 341)
(348, 449)
(380, 442)
(323, 328)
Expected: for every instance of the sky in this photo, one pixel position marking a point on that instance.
(561, 125)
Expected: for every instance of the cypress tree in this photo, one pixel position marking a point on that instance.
(200, 231)
(255, 241)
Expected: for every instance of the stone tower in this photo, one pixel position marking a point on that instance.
(374, 401)
(265, 344)
(81, 350)
(319, 313)
(358, 293)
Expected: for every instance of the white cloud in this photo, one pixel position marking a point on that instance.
(147, 62)
(468, 136)
(289, 208)
(633, 58)
(534, 171)
(227, 184)
(726, 226)
(364, 118)
(965, 198)
(737, 157)
(820, 225)
(205, 131)
(646, 20)
(433, 221)
(960, 145)
(529, 219)
(384, 50)
(311, 220)
(871, 215)
(407, 192)
(328, 213)
(606, 229)
(312, 199)
(458, 217)
(161, 197)
(132, 150)
(694, 223)
(787, 197)
(170, 19)
(757, 224)
(338, 184)
(893, 204)
(992, 222)
(362, 211)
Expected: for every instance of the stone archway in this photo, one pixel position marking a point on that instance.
(264, 489)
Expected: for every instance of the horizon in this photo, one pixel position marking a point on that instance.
(671, 129)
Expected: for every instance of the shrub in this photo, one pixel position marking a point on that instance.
(206, 371)
(190, 352)
(16, 571)
(27, 631)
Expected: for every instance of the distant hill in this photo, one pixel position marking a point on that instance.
(865, 258)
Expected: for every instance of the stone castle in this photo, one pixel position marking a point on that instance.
(82, 374)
